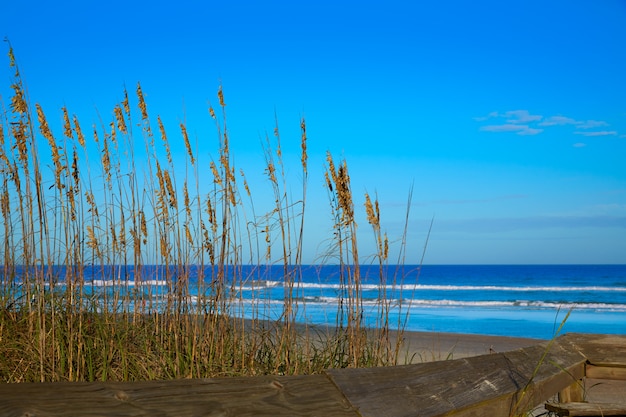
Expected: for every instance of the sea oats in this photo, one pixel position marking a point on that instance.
(91, 201)
(165, 248)
(122, 233)
(125, 104)
(5, 204)
(67, 126)
(369, 209)
(95, 134)
(119, 117)
(245, 183)
(143, 223)
(220, 95)
(303, 145)
(56, 155)
(113, 238)
(43, 125)
(183, 129)
(18, 103)
(217, 178)
(271, 172)
(92, 242)
(170, 189)
(113, 134)
(166, 144)
(105, 158)
(186, 199)
(18, 130)
(142, 103)
(386, 247)
(210, 212)
(79, 132)
(188, 234)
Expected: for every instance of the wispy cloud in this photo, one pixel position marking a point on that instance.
(590, 124)
(521, 116)
(559, 121)
(598, 133)
(523, 122)
(519, 129)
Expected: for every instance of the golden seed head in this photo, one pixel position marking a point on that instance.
(144, 225)
(43, 125)
(210, 211)
(67, 126)
(125, 103)
(79, 132)
(119, 117)
(164, 139)
(186, 197)
(142, 103)
(18, 103)
(220, 95)
(217, 178)
(187, 144)
(369, 209)
(188, 234)
(271, 171)
(170, 189)
(303, 145)
(92, 242)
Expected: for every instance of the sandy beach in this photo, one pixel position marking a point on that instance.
(433, 346)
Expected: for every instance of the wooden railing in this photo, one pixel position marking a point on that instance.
(499, 384)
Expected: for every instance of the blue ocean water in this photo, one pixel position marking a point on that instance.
(506, 300)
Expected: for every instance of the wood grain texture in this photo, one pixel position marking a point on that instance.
(312, 395)
(587, 409)
(493, 384)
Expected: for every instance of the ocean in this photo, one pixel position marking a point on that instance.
(502, 300)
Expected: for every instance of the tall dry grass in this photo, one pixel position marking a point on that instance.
(108, 203)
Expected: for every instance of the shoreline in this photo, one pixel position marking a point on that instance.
(421, 346)
(427, 346)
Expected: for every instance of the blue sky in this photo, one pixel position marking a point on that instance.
(507, 118)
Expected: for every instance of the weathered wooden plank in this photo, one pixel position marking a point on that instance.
(587, 409)
(482, 385)
(606, 372)
(572, 393)
(313, 395)
(599, 349)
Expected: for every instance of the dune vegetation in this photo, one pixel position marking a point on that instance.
(107, 203)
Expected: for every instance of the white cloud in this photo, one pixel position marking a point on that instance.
(530, 131)
(519, 129)
(522, 122)
(600, 133)
(579, 145)
(589, 124)
(559, 121)
(521, 116)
